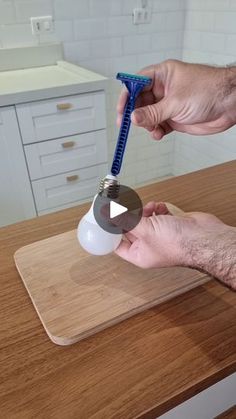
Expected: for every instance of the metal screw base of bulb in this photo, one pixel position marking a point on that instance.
(109, 187)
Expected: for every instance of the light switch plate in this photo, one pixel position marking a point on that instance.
(41, 25)
(141, 15)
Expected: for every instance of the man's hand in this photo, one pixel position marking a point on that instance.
(196, 239)
(192, 98)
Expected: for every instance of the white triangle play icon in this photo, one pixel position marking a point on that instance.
(116, 209)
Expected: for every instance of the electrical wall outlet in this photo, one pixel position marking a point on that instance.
(141, 15)
(41, 25)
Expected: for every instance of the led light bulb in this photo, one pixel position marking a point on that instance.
(93, 238)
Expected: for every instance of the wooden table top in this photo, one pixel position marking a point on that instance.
(139, 368)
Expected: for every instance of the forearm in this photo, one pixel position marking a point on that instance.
(229, 92)
(216, 255)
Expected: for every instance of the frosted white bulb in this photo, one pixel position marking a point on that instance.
(93, 238)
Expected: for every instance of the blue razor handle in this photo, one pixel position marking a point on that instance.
(134, 83)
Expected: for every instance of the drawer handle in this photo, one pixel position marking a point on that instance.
(64, 106)
(68, 144)
(72, 178)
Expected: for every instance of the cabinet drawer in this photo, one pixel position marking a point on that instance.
(61, 117)
(63, 155)
(68, 187)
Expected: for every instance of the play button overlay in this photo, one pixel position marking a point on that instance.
(116, 209)
(118, 215)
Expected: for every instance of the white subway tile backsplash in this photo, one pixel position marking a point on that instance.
(168, 5)
(197, 56)
(16, 35)
(225, 141)
(106, 47)
(165, 146)
(158, 24)
(26, 9)
(195, 157)
(213, 42)
(182, 165)
(116, 7)
(125, 63)
(100, 65)
(144, 60)
(175, 21)
(218, 4)
(223, 60)
(225, 22)
(158, 161)
(150, 176)
(7, 12)
(128, 180)
(168, 40)
(192, 40)
(196, 4)
(136, 44)
(208, 4)
(76, 51)
(210, 37)
(231, 45)
(64, 30)
(146, 152)
(100, 48)
(128, 6)
(115, 47)
(232, 5)
(93, 28)
(71, 9)
(175, 54)
(99, 8)
(140, 142)
(199, 20)
(121, 25)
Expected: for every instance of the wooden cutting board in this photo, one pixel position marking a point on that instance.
(76, 294)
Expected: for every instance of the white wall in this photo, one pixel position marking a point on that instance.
(99, 35)
(209, 37)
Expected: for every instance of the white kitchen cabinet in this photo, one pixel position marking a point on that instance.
(53, 147)
(53, 154)
(79, 185)
(53, 118)
(65, 146)
(49, 158)
(16, 198)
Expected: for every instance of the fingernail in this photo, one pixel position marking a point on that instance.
(138, 114)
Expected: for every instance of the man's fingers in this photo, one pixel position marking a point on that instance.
(149, 209)
(124, 222)
(161, 130)
(146, 96)
(142, 228)
(153, 115)
(122, 100)
(157, 208)
(123, 250)
(130, 237)
(161, 209)
(118, 120)
(158, 133)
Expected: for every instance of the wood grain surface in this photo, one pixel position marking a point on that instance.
(229, 414)
(76, 294)
(139, 368)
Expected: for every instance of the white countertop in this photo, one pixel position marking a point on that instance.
(61, 79)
